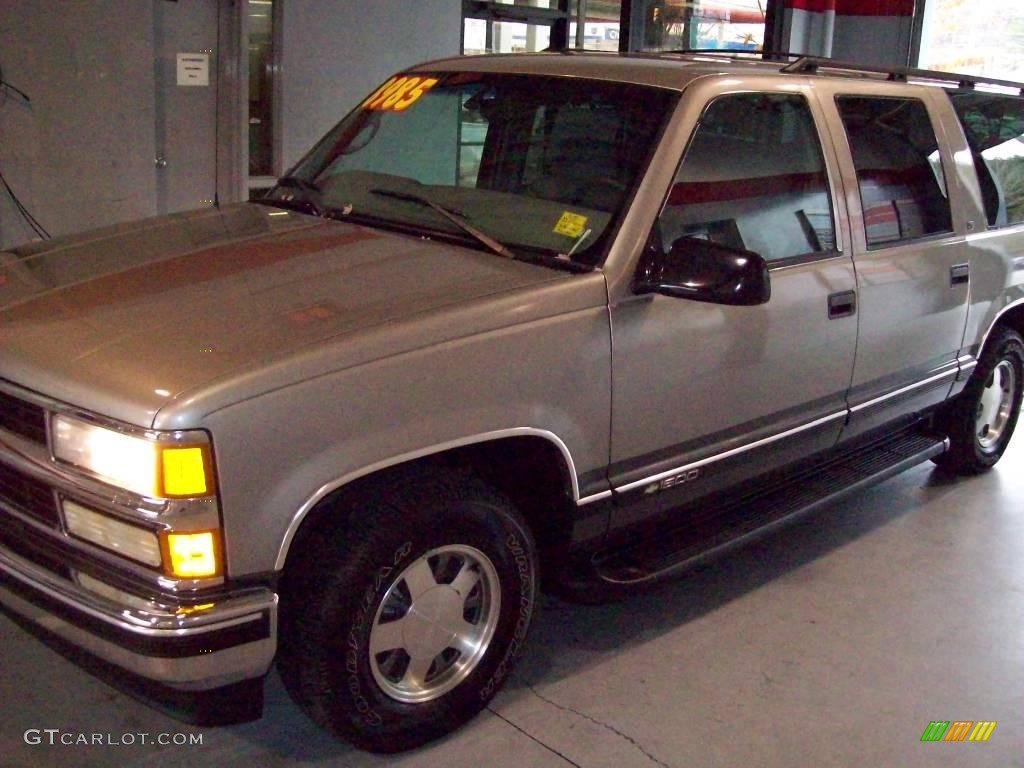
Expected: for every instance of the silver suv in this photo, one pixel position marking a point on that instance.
(595, 318)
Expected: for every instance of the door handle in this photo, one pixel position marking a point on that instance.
(959, 274)
(842, 304)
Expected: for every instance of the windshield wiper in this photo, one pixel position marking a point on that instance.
(304, 203)
(453, 216)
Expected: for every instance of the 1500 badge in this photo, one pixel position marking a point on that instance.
(671, 482)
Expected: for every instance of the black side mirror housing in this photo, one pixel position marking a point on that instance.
(703, 270)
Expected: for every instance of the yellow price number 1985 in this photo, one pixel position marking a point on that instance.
(399, 93)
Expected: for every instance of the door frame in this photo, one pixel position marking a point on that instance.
(232, 150)
(236, 23)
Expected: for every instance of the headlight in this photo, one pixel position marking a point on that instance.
(148, 467)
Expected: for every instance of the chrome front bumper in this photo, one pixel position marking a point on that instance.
(229, 638)
(191, 635)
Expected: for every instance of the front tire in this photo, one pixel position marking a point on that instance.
(402, 627)
(981, 420)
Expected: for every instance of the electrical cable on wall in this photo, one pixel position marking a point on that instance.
(31, 220)
(25, 214)
(6, 87)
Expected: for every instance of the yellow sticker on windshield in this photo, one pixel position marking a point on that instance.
(399, 93)
(571, 224)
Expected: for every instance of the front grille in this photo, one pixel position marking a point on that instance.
(22, 418)
(17, 538)
(28, 495)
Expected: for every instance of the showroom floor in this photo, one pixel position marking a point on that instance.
(832, 643)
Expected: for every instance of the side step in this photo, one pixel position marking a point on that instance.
(707, 533)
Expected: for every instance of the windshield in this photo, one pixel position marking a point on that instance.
(540, 164)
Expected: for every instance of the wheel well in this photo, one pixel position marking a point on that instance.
(531, 471)
(1013, 318)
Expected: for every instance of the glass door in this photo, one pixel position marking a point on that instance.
(261, 55)
(673, 25)
(596, 25)
(514, 26)
(976, 37)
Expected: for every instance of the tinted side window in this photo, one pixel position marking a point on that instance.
(753, 177)
(994, 125)
(902, 188)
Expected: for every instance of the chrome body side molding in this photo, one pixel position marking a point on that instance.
(732, 452)
(950, 374)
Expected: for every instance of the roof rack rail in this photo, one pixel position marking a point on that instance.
(811, 64)
(765, 55)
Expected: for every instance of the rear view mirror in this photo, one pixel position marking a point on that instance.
(703, 270)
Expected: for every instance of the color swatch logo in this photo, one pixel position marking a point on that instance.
(958, 730)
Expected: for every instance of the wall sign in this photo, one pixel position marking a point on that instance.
(193, 69)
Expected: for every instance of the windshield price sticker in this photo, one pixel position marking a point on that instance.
(571, 224)
(399, 93)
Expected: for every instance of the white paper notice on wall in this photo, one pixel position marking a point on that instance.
(193, 69)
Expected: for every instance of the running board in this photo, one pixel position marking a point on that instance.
(709, 533)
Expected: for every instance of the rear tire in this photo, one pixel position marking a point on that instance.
(401, 628)
(980, 422)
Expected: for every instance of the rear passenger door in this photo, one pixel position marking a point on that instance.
(705, 395)
(993, 124)
(912, 265)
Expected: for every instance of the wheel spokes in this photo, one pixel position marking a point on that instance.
(387, 637)
(995, 405)
(435, 623)
(467, 578)
(419, 579)
(416, 673)
(466, 640)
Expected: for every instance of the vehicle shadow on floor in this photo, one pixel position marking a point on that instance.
(567, 638)
(682, 599)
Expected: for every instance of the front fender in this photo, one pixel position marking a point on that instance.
(279, 453)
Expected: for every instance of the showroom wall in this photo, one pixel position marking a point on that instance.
(865, 31)
(330, 61)
(79, 154)
(874, 31)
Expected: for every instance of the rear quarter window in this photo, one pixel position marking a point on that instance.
(994, 127)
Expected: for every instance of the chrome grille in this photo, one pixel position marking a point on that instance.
(27, 495)
(16, 538)
(21, 418)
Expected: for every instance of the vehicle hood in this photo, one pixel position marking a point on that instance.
(123, 320)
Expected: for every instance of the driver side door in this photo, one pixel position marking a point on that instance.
(707, 394)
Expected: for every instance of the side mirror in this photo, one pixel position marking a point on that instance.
(707, 271)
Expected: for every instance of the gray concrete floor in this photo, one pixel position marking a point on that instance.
(832, 643)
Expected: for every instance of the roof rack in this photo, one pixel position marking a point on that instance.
(812, 64)
(731, 52)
